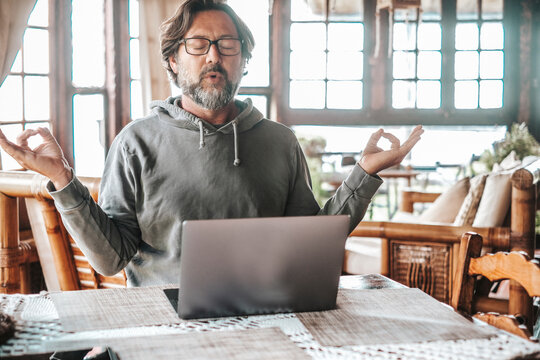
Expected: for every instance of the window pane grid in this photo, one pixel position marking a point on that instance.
(416, 63)
(479, 57)
(24, 94)
(326, 61)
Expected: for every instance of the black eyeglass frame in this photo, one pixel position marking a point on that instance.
(212, 42)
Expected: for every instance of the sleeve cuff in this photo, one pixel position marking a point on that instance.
(70, 196)
(362, 183)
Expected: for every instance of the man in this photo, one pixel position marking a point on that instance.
(199, 156)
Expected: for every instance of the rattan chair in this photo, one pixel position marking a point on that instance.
(436, 246)
(516, 266)
(63, 264)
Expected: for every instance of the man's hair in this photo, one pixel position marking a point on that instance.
(175, 28)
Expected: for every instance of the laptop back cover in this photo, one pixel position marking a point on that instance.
(260, 265)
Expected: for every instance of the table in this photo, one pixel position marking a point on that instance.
(38, 327)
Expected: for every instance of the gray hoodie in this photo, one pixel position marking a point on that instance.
(172, 166)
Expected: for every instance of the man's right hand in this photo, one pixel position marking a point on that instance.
(46, 159)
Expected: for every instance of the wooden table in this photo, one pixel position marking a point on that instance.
(39, 330)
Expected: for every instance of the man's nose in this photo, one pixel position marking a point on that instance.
(213, 55)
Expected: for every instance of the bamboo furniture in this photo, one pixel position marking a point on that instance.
(501, 265)
(64, 266)
(437, 246)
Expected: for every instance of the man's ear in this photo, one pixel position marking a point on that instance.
(173, 64)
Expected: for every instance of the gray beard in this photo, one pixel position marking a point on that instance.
(211, 98)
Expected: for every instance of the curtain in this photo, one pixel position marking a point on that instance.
(13, 19)
(155, 83)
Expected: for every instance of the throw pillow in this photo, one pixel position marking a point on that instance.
(495, 200)
(468, 209)
(446, 207)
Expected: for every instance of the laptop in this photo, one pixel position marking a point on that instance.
(232, 267)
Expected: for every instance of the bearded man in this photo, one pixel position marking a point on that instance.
(203, 155)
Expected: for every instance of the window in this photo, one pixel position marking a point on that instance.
(446, 63)
(25, 93)
(417, 57)
(256, 83)
(479, 59)
(326, 55)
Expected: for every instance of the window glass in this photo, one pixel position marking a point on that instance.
(40, 14)
(11, 99)
(466, 36)
(36, 51)
(256, 16)
(36, 98)
(429, 65)
(134, 18)
(491, 94)
(134, 59)
(403, 94)
(431, 9)
(88, 46)
(346, 10)
(429, 36)
(308, 65)
(429, 94)
(467, 9)
(466, 94)
(404, 65)
(491, 64)
(88, 121)
(11, 132)
(307, 94)
(492, 36)
(344, 95)
(466, 65)
(345, 65)
(302, 11)
(260, 102)
(345, 37)
(308, 37)
(404, 36)
(492, 9)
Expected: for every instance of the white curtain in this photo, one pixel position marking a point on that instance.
(155, 83)
(13, 19)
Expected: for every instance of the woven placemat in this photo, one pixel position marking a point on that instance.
(113, 308)
(388, 316)
(261, 344)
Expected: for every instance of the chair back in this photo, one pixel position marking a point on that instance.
(515, 265)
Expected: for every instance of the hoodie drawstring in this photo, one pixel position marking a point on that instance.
(201, 135)
(235, 133)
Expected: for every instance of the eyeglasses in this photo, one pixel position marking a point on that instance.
(201, 46)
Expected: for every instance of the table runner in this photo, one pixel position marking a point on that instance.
(113, 308)
(268, 343)
(388, 316)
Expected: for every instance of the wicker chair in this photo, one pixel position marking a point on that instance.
(501, 265)
(426, 255)
(63, 264)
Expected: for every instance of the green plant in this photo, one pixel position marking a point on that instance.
(517, 139)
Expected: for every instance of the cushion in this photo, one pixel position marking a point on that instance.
(511, 161)
(495, 200)
(445, 208)
(468, 209)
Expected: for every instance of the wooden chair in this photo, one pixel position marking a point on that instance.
(436, 246)
(501, 265)
(63, 264)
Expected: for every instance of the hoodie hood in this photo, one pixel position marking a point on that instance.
(170, 111)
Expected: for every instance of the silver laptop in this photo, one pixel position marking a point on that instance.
(260, 265)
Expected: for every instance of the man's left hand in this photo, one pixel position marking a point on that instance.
(375, 159)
